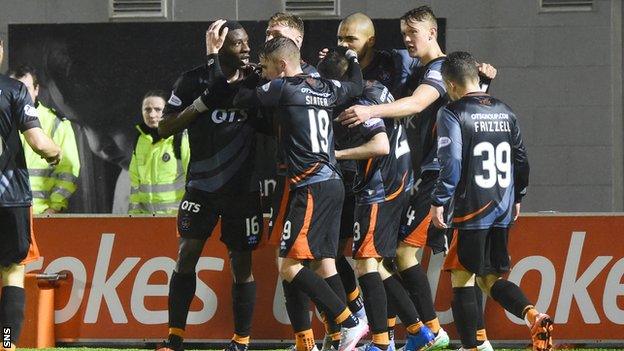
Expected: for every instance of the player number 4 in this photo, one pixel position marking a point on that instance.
(319, 130)
(496, 164)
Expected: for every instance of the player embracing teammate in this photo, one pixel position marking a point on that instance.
(300, 108)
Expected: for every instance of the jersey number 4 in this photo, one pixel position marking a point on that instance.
(496, 164)
(319, 130)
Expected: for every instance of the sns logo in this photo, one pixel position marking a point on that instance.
(220, 116)
(190, 206)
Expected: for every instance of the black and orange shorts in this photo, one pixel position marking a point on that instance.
(279, 209)
(17, 236)
(416, 227)
(479, 251)
(240, 216)
(376, 228)
(312, 225)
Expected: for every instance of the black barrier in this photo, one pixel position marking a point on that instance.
(96, 74)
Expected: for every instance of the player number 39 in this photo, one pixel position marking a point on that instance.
(496, 164)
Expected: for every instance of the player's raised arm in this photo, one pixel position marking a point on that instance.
(450, 159)
(353, 85)
(182, 107)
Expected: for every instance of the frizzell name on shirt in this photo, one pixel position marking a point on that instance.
(491, 122)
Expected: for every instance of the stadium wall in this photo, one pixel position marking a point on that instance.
(118, 287)
(561, 72)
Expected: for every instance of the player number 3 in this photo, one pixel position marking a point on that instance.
(496, 164)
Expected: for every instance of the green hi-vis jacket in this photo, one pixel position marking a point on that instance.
(157, 172)
(52, 186)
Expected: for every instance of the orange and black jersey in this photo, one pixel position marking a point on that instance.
(381, 178)
(484, 165)
(303, 106)
(421, 128)
(222, 139)
(17, 114)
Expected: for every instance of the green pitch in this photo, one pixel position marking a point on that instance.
(107, 349)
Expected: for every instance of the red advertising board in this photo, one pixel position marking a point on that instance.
(570, 266)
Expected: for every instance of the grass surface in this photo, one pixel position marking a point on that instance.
(111, 349)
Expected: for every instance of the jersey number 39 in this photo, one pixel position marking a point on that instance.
(496, 164)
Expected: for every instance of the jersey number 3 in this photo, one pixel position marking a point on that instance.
(319, 130)
(496, 164)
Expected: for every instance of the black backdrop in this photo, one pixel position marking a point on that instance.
(96, 75)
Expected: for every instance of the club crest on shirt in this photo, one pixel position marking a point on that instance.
(174, 100)
(31, 111)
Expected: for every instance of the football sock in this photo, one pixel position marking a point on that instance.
(241, 340)
(481, 336)
(243, 301)
(304, 340)
(297, 307)
(391, 318)
(464, 309)
(381, 340)
(354, 298)
(375, 303)
(414, 328)
(416, 282)
(335, 284)
(398, 297)
(510, 297)
(332, 330)
(12, 310)
(323, 296)
(181, 291)
(530, 314)
(176, 337)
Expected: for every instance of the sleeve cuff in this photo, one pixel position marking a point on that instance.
(29, 125)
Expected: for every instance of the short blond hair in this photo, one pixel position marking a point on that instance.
(288, 20)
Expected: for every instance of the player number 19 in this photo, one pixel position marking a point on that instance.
(496, 164)
(319, 130)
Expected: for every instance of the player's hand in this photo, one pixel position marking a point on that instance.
(355, 115)
(214, 40)
(437, 217)
(323, 53)
(487, 70)
(54, 160)
(516, 211)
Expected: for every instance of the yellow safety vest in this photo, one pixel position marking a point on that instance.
(52, 186)
(157, 176)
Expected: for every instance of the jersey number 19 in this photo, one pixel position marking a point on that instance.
(319, 130)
